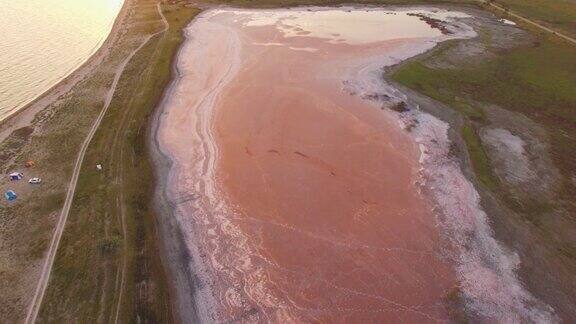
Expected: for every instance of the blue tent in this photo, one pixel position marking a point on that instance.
(10, 195)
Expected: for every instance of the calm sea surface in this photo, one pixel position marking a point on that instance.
(43, 41)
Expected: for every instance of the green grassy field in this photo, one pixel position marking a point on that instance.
(538, 81)
(558, 14)
(109, 248)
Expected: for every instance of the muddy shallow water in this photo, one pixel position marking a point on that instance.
(298, 192)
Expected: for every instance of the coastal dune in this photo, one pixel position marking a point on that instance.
(301, 182)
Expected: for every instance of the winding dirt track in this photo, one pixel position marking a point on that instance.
(34, 307)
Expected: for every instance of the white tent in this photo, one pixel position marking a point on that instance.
(16, 176)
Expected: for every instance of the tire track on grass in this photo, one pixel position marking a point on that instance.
(120, 173)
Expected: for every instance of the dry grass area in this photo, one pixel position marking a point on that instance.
(524, 85)
(26, 226)
(556, 14)
(108, 268)
(102, 255)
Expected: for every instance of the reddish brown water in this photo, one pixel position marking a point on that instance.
(308, 208)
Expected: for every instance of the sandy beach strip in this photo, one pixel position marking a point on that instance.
(25, 115)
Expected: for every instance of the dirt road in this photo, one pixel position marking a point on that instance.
(119, 176)
(531, 22)
(34, 307)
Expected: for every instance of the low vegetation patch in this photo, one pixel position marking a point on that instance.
(480, 160)
(537, 80)
(107, 268)
(557, 14)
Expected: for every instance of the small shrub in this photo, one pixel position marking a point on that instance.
(109, 245)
